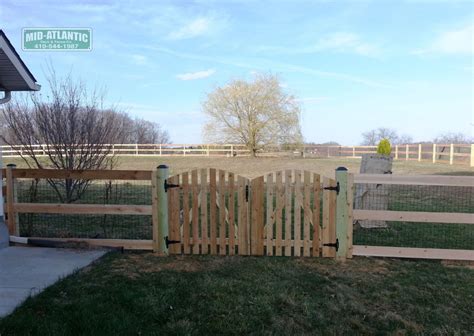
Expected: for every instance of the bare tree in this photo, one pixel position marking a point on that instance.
(147, 132)
(74, 127)
(257, 113)
(373, 137)
(453, 138)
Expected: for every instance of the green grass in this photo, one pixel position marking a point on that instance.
(142, 294)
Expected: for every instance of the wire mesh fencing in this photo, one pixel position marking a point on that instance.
(414, 198)
(98, 192)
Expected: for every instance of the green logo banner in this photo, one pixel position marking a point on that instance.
(57, 39)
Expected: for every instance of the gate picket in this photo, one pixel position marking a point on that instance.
(204, 223)
(329, 218)
(257, 218)
(243, 227)
(270, 215)
(231, 214)
(174, 216)
(280, 192)
(195, 211)
(288, 199)
(222, 223)
(213, 210)
(186, 224)
(307, 214)
(316, 215)
(297, 214)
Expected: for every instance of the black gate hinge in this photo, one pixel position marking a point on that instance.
(336, 245)
(247, 193)
(170, 242)
(168, 186)
(336, 188)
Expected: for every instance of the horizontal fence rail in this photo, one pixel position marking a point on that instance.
(453, 154)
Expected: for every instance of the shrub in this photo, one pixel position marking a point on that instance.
(384, 147)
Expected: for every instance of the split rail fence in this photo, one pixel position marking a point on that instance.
(209, 211)
(453, 154)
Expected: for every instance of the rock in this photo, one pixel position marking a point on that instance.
(373, 196)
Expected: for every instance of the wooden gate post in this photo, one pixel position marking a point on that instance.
(162, 174)
(13, 218)
(344, 204)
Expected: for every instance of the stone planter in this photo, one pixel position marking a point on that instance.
(373, 196)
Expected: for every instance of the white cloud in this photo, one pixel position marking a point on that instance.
(460, 41)
(342, 42)
(200, 26)
(139, 59)
(196, 75)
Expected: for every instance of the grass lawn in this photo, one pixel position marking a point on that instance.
(142, 294)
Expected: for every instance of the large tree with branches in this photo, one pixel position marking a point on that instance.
(256, 113)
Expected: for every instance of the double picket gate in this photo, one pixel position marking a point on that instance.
(284, 213)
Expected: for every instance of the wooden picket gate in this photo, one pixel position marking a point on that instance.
(284, 213)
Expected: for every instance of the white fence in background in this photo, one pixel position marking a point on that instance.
(458, 154)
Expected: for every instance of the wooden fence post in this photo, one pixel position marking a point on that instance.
(136, 149)
(396, 152)
(407, 153)
(451, 154)
(3, 240)
(344, 213)
(353, 151)
(472, 155)
(419, 152)
(434, 153)
(162, 174)
(12, 224)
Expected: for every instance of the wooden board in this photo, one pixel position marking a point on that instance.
(85, 209)
(154, 207)
(270, 215)
(204, 222)
(298, 203)
(288, 217)
(243, 226)
(280, 197)
(174, 216)
(144, 175)
(414, 216)
(435, 180)
(307, 214)
(316, 244)
(257, 218)
(222, 228)
(231, 214)
(127, 244)
(195, 210)
(329, 218)
(213, 210)
(10, 199)
(186, 222)
(415, 253)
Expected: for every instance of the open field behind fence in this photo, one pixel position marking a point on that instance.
(453, 154)
(424, 212)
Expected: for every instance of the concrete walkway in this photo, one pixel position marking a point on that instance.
(26, 271)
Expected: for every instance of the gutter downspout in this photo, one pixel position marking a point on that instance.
(6, 98)
(4, 234)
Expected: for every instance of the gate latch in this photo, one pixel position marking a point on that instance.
(336, 245)
(168, 185)
(170, 242)
(336, 188)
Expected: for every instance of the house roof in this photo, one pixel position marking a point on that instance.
(14, 74)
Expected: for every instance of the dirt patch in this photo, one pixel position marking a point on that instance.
(132, 265)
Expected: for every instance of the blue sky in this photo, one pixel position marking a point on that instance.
(354, 65)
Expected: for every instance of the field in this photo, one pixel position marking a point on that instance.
(142, 294)
(255, 167)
